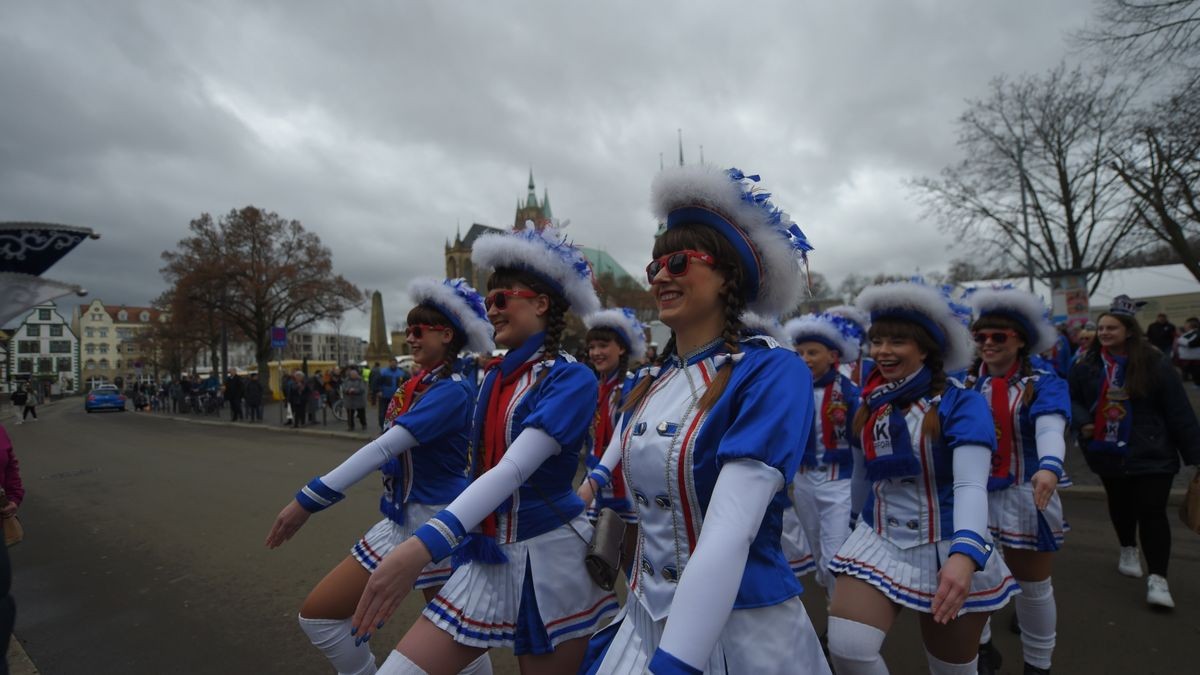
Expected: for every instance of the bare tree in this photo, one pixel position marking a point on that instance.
(257, 270)
(1160, 163)
(1051, 135)
(1150, 36)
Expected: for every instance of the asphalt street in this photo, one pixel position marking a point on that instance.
(144, 554)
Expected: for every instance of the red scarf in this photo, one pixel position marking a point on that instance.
(1002, 476)
(833, 413)
(604, 430)
(494, 441)
(405, 396)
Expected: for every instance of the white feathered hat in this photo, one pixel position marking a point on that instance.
(1023, 307)
(461, 304)
(770, 246)
(757, 324)
(854, 315)
(929, 307)
(625, 324)
(546, 254)
(832, 331)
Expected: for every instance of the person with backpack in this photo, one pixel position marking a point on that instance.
(385, 383)
(25, 397)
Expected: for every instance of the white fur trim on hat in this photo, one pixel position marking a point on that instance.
(625, 323)
(853, 315)
(547, 254)
(1023, 307)
(463, 304)
(824, 328)
(898, 298)
(779, 244)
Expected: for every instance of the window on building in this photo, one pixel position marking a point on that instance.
(89, 348)
(24, 365)
(60, 346)
(43, 315)
(45, 365)
(124, 333)
(104, 363)
(103, 348)
(28, 346)
(90, 364)
(62, 365)
(88, 332)
(144, 316)
(103, 332)
(56, 330)
(118, 366)
(122, 315)
(33, 330)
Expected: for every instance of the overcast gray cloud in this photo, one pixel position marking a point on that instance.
(381, 125)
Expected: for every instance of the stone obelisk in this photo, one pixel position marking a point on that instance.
(377, 346)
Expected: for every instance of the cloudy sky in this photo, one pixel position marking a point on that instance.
(382, 125)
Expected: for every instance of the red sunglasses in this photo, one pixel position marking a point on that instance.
(677, 263)
(499, 297)
(998, 337)
(417, 330)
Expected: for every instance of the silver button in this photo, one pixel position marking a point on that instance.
(892, 522)
(641, 498)
(912, 524)
(663, 501)
(670, 574)
(647, 567)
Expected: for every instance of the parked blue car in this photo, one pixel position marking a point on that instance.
(104, 397)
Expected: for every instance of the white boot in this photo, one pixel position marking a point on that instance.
(1157, 592)
(1131, 563)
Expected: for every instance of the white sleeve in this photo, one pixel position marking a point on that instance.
(485, 493)
(1051, 436)
(710, 581)
(370, 457)
(972, 464)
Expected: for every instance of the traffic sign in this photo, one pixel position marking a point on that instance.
(278, 337)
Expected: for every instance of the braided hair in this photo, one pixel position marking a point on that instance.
(1025, 369)
(901, 329)
(728, 265)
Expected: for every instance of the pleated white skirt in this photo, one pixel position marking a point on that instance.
(387, 535)
(909, 576)
(1014, 520)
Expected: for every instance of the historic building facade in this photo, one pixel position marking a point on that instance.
(45, 349)
(109, 344)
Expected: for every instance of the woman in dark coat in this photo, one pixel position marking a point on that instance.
(1135, 424)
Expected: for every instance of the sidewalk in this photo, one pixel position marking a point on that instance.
(18, 660)
(273, 415)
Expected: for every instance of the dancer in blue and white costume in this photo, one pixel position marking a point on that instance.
(821, 490)
(518, 533)
(858, 370)
(615, 338)
(1031, 407)
(710, 439)
(423, 457)
(920, 485)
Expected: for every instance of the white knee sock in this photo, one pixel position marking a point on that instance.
(986, 636)
(480, 666)
(333, 638)
(1038, 614)
(399, 664)
(939, 667)
(854, 647)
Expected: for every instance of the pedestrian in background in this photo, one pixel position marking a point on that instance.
(387, 381)
(1134, 422)
(25, 397)
(254, 398)
(354, 399)
(235, 391)
(297, 398)
(1187, 351)
(1161, 333)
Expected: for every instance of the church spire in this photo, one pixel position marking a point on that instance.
(546, 204)
(531, 199)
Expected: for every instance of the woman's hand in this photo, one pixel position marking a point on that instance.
(287, 524)
(389, 584)
(9, 510)
(587, 492)
(1044, 483)
(954, 584)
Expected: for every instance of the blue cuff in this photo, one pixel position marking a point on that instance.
(971, 545)
(601, 475)
(662, 663)
(317, 496)
(441, 534)
(1053, 465)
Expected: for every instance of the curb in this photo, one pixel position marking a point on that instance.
(266, 426)
(18, 660)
